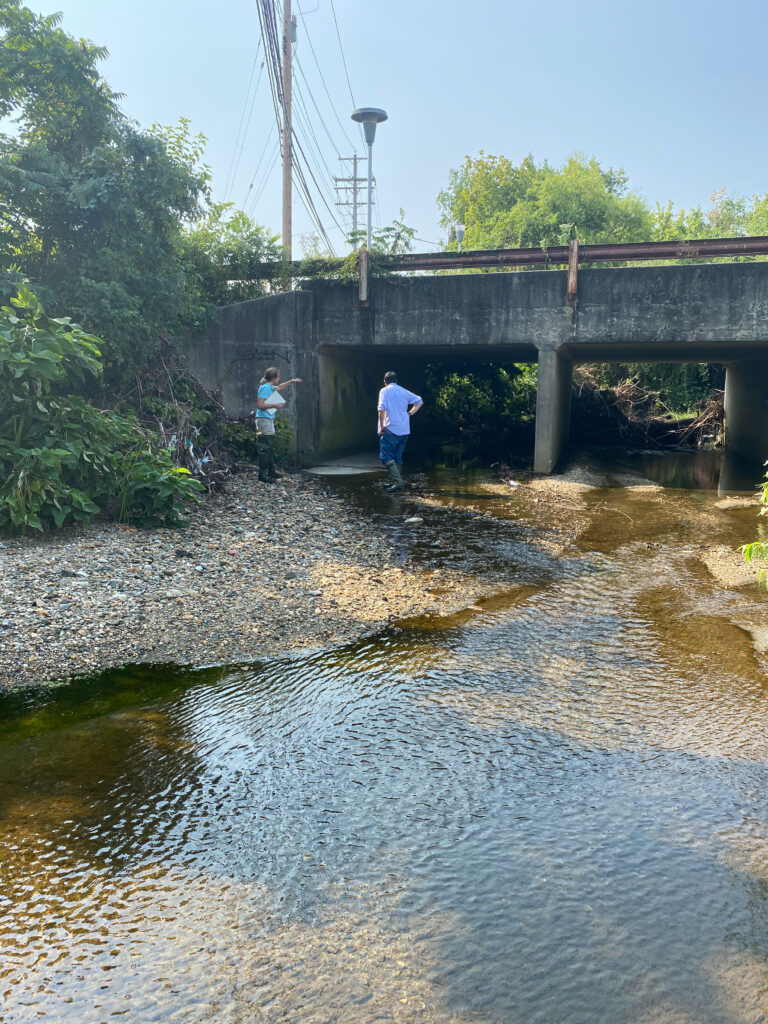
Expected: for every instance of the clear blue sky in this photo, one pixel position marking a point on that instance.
(672, 90)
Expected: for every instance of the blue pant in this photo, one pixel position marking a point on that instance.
(391, 447)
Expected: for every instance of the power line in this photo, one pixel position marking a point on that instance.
(248, 197)
(330, 211)
(314, 102)
(343, 60)
(346, 71)
(265, 181)
(239, 149)
(242, 115)
(305, 123)
(322, 79)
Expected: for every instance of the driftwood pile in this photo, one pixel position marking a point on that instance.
(636, 416)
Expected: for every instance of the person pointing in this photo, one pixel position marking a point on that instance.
(265, 421)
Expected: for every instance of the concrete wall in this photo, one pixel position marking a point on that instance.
(246, 339)
(701, 313)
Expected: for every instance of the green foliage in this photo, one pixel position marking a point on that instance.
(152, 489)
(224, 253)
(481, 399)
(283, 438)
(757, 551)
(241, 440)
(726, 217)
(503, 206)
(109, 224)
(49, 81)
(61, 459)
(392, 240)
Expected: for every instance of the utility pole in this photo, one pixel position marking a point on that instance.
(289, 35)
(350, 185)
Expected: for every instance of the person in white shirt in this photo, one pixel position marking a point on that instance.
(396, 406)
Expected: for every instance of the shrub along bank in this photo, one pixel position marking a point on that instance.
(62, 460)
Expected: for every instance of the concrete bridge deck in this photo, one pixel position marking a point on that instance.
(321, 332)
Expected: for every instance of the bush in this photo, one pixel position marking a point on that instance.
(61, 459)
(481, 399)
(241, 440)
(757, 551)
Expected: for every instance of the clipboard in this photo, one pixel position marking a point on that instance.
(274, 401)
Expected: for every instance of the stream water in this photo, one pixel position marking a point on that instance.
(550, 811)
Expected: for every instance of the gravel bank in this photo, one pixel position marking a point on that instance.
(239, 583)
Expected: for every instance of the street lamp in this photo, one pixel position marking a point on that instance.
(369, 117)
(459, 236)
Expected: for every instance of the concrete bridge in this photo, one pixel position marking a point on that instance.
(715, 313)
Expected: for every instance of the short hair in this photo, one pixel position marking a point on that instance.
(390, 377)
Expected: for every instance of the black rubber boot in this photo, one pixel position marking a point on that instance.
(397, 477)
(266, 449)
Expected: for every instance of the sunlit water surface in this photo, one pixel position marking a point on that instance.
(551, 811)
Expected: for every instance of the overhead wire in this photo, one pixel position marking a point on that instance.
(238, 144)
(303, 121)
(311, 171)
(254, 194)
(245, 134)
(322, 79)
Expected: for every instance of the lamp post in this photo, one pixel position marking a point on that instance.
(369, 117)
(459, 236)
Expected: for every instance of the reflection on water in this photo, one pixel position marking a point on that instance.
(551, 811)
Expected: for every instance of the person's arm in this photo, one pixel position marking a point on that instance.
(294, 380)
(415, 408)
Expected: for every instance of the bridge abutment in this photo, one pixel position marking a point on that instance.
(553, 408)
(746, 408)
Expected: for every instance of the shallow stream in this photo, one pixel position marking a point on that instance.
(552, 810)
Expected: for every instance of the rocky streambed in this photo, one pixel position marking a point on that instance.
(260, 569)
(298, 565)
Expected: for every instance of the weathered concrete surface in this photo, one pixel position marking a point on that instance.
(746, 408)
(246, 339)
(553, 408)
(696, 313)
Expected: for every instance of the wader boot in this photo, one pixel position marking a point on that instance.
(397, 477)
(266, 449)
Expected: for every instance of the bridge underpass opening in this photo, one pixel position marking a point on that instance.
(745, 375)
(350, 380)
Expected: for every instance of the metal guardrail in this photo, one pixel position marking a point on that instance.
(573, 255)
(563, 254)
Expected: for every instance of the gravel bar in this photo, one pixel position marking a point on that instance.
(259, 570)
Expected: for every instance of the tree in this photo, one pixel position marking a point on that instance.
(392, 240)
(110, 224)
(503, 206)
(92, 207)
(224, 253)
(727, 217)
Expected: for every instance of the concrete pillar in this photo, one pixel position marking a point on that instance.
(746, 409)
(553, 408)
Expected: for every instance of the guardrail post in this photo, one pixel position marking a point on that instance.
(362, 276)
(573, 270)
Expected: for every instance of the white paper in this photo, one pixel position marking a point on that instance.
(274, 401)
